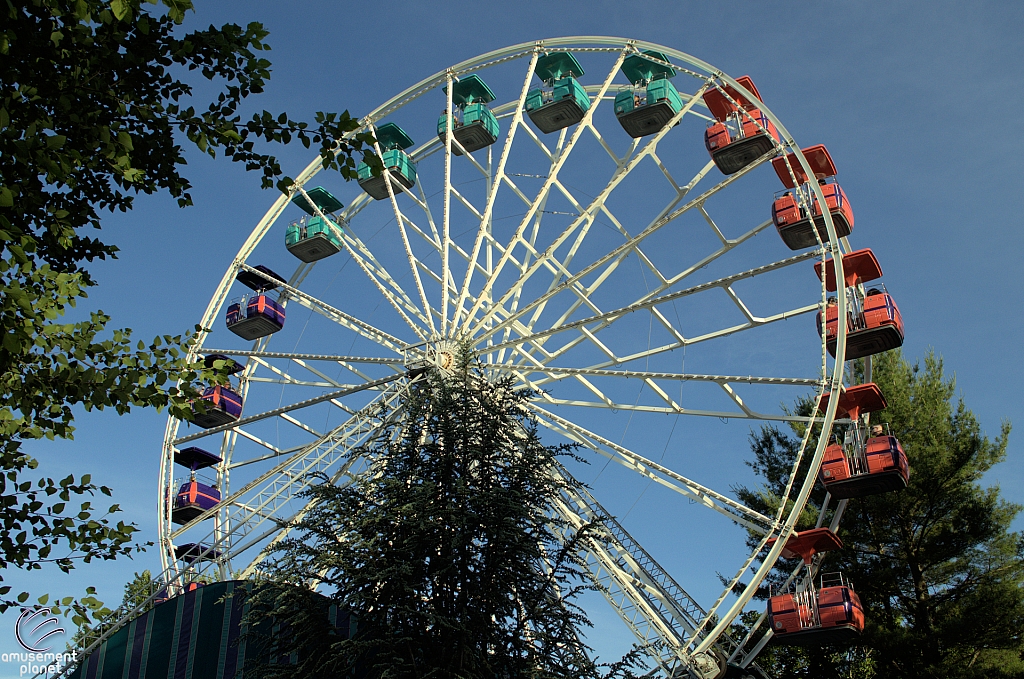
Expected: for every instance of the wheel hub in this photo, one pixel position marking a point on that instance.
(434, 355)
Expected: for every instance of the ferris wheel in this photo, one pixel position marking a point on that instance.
(593, 217)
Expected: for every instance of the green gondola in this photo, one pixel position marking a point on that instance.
(652, 101)
(312, 238)
(473, 125)
(397, 164)
(562, 101)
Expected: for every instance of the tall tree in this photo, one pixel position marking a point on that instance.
(936, 565)
(446, 552)
(90, 117)
(137, 592)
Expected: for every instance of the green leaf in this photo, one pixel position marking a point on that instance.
(120, 8)
(125, 140)
(176, 9)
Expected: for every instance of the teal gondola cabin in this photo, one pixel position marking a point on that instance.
(652, 101)
(473, 125)
(561, 101)
(311, 237)
(397, 164)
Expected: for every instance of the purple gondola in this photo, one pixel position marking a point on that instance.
(261, 279)
(223, 406)
(192, 500)
(192, 552)
(262, 316)
(231, 366)
(194, 497)
(193, 458)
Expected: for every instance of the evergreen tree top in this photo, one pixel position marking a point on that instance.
(936, 565)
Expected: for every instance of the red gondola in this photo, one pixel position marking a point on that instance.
(742, 133)
(874, 324)
(867, 462)
(808, 616)
(794, 224)
(163, 595)
(840, 612)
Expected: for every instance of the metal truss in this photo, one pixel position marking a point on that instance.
(654, 606)
(531, 255)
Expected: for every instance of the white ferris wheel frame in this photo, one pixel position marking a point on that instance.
(504, 328)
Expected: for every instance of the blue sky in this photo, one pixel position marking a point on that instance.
(917, 102)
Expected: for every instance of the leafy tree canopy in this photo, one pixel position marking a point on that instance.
(936, 565)
(92, 114)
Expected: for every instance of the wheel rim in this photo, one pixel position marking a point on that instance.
(559, 309)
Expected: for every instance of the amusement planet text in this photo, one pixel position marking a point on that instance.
(32, 664)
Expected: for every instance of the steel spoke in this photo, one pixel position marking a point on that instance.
(400, 219)
(723, 504)
(499, 177)
(616, 179)
(541, 194)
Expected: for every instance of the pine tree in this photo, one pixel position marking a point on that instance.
(446, 552)
(936, 565)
